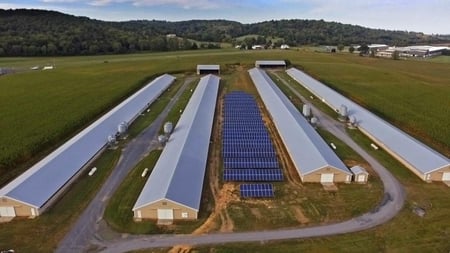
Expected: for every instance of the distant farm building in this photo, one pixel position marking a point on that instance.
(208, 69)
(360, 175)
(412, 51)
(35, 190)
(423, 161)
(310, 154)
(377, 47)
(174, 188)
(270, 64)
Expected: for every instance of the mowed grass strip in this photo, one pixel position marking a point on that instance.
(118, 213)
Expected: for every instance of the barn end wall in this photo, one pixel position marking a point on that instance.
(339, 176)
(437, 175)
(20, 209)
(150, 211)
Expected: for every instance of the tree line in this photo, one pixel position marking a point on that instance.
(49, 33)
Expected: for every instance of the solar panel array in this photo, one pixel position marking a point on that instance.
(247, 148)
(256, 190)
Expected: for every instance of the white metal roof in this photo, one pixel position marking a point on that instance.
(358, 170)
(39, 183)
(208, 67)
(412, 151)
(179, 172)
(308, 151)
(270, 62)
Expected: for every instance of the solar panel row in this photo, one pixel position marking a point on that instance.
(247, 149)
(244, 175)
(256, 190)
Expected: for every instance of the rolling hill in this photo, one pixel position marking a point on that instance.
(47, 33)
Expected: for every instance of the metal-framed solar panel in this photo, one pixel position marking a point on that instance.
(256, 190)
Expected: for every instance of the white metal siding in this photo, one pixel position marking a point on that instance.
(7, 211)
(326, 178)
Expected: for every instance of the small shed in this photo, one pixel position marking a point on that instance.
(360, 175)
(208, 69)
(270, 64)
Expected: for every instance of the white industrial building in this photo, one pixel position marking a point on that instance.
(423, 161)
(310, 154)
(208, 69)
(270, 64)
(174, 188)
(36, 189)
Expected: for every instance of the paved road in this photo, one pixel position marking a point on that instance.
(392, 203)
(84, 230)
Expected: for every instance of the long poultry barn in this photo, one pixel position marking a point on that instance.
(174, 188)
(312, 157)
(423, 161)
(36, 189)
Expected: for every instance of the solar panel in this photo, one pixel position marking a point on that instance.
(244, 175)
(256, 190)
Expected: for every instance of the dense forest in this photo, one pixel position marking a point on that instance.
(44, 33)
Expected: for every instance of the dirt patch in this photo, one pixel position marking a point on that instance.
(301, 218)
(329, 187)
(180, 249)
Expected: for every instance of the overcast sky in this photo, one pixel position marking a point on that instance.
(428, 16)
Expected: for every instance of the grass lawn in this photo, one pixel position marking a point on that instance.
(441, 59)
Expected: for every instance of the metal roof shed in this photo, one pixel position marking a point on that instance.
(270, 64)
(360, 174)
(422, 160)
(308, 151)
(174, 188)
(208, 69)
(33, 191)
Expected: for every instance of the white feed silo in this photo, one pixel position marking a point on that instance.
(306, 110)
(122, 128)
(168, 127)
